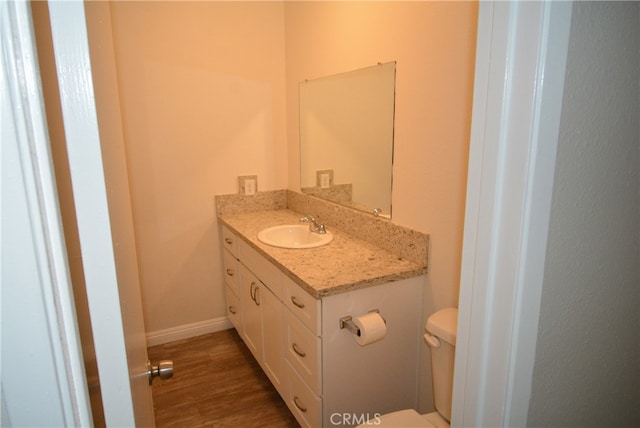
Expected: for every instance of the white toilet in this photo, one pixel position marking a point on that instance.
(441, 337)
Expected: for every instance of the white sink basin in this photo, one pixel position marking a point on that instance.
(293, 236)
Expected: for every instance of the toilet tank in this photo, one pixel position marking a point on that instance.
(441, 336)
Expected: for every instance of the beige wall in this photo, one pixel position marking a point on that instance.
(434, 46)
(202, 90)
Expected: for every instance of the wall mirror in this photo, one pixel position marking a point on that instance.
(346, 137)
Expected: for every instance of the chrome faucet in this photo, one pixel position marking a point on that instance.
(314, 226)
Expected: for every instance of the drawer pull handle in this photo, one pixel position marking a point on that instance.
(233, 310)
(298, 351)
(230, 272)
(295, 302)
(228, 241)
(302, 408)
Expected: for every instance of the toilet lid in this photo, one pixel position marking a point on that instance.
(444, 324)
(404, 419)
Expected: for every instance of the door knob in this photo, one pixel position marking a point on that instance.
(163, 370)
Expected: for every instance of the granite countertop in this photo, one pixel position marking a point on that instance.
(345, 264)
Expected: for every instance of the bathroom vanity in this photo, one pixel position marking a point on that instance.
(287, 305)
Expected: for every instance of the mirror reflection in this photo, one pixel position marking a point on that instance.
(346, 137)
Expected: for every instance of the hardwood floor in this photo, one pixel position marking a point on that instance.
(216, 383)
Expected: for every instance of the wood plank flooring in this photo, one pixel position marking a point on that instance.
(216, 383)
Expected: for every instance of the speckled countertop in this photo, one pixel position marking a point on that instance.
(345, 264)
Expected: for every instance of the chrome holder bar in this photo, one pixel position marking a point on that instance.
(347, 322)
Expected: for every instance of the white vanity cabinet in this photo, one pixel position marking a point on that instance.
(326, 378)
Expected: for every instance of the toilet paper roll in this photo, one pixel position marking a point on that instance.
(372, 328)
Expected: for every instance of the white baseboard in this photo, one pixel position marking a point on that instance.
(188, 330)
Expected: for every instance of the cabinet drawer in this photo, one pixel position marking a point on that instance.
(303, 403)
(233, 309)
(302, 304)
(229, 240)
(268, 273)
(303, 351)
(231, 274)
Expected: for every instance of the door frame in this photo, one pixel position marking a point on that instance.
(520, 68)
(43, 376)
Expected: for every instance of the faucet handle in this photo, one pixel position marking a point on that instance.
(313, 225)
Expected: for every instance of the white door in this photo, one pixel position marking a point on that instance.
(103, 212)
(45, 372)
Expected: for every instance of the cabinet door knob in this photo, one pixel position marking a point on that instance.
(302, 408)
(295, 302)
(228, 241)
(233, 310)
(298, 351)
(230, 272)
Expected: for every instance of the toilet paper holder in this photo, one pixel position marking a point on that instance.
(347, 322)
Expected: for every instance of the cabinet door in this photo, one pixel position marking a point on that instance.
(273, 363)
(251, 317)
